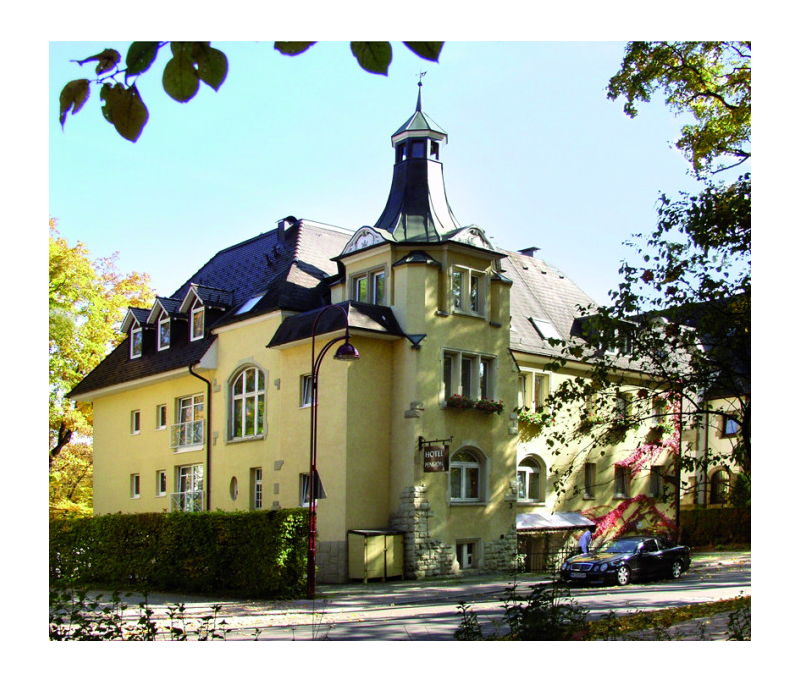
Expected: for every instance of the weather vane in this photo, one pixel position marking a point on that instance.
(421, 74)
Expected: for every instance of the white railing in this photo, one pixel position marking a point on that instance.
(191, 501)
(186, 434)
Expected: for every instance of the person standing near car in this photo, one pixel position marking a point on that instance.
(586, 540)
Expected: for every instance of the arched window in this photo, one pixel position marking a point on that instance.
(465, 477)
(531, 477)
(248, 404)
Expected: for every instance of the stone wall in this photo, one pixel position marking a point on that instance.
(331, 558)
(426, 556)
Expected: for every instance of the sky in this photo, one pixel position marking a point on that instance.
(536, 155)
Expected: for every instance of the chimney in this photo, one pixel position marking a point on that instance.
(283, 225)
(529, 251)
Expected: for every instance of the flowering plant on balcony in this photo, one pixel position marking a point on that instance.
(534, 418)
(459, 401)
(487, 405)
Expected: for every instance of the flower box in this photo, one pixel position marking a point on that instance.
(459, 401)
(488, 405)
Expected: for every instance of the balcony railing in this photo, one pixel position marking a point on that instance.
(191, 501)
(185, 434)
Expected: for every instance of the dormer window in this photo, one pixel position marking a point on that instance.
(468, 291)
(164, 330)
(198, 321)
(136, 341)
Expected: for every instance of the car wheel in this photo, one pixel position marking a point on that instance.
(677, 570)
(623, 575)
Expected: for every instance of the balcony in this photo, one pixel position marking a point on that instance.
(187, 434)
(191, 501)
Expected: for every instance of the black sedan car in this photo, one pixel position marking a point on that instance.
(628, 558)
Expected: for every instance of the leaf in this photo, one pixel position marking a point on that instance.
(373, 56)
(124, 108)
(106, 60)
(426, 50)
(140, 57)
(73, 96)
(292, 48)
(212, 64)
(181, 80)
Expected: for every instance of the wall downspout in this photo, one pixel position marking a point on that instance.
(207, 476)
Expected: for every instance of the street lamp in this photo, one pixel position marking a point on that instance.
(345, 352)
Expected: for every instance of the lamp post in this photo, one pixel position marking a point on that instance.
(345, 352)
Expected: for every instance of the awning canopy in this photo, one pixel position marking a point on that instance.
(558, 521)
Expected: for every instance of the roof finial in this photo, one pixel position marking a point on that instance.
(419, 96)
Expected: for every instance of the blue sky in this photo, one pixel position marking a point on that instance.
(537, 155)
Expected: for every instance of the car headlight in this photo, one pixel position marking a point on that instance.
(604, 566)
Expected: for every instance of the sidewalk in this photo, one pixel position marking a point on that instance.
(344, 603)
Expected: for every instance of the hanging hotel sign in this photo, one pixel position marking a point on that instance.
(435, 458)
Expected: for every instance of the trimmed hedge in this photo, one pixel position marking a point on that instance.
(252, 554)
(715, 526)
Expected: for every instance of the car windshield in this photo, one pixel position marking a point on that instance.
(622, 545)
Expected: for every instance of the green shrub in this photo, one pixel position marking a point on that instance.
(252, 554)
(715, 526)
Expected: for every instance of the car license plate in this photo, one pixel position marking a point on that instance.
(577, 575)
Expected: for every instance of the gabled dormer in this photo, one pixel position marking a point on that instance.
(162, 317)
(134, 325)
(202, 305)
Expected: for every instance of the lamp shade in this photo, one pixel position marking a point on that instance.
(346, 352)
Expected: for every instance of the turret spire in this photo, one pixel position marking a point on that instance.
(417, 207)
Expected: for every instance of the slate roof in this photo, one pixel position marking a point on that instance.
(288, 269)
(543, 292)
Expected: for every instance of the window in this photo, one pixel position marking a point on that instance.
(468, 375)
(189, 496)
(466, 554)
(370, 287)
(719, 488)
(465, 478)
(660, 411)
(198, 321)
(233, 489)
(305, 493)
(589, 478)
(622, 480)
(163, 331)
(418, 149)
(530, 480)
(257, 497)
(533, 390)
(189, 431)
(657, 481)
(730, 426)
(136, 421)
(622, 407)
(136, 341)
(248, 402)
(161, 416)
(468, 290)
(161, 483)
(306, 391)
(134, 486)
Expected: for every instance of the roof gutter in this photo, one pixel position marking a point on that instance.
(207, 477)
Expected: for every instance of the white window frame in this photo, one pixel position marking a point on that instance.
(531, 464)
(136, 421)
(136, 488)
(369, 293)
(161, 483)
(189, 483)
(469, 297)
(474, 363)
(306, 390)
(460, 471)
(161, 416)
(137, 341)
(198, 311)
(536, 385)
(257, 500)
(164, 323)
(467, 553)
(188, 432)
(258, 397)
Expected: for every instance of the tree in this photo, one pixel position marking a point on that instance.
(87, 299)
(191, 64)
(678, 326)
